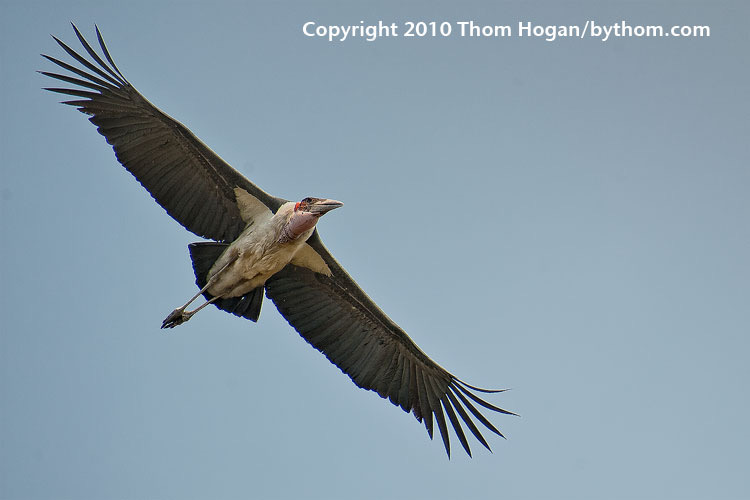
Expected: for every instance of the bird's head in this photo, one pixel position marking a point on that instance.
(316, 206)
(303, 217)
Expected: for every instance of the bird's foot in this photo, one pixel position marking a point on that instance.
(177, 317)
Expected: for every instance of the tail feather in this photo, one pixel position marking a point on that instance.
(203, 255)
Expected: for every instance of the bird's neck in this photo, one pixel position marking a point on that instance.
(299, 226)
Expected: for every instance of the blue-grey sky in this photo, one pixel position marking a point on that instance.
(566, 219)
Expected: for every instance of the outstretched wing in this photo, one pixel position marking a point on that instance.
(191, 182)
(336, 317)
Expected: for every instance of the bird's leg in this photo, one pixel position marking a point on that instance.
(189, 314)
(180, 315)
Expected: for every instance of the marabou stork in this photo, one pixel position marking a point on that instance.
(264, 243)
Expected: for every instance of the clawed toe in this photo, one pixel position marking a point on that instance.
(176, 317)
(180, 315)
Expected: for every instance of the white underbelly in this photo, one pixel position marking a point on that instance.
(250, 270)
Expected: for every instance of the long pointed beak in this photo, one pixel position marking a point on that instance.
(324, 206)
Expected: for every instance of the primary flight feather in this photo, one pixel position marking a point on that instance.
(262, 243)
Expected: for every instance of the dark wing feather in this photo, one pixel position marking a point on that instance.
(193, 184)
(334, 315)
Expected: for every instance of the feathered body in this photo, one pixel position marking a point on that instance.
(262, 250)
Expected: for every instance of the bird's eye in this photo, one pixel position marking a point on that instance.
(302, 205)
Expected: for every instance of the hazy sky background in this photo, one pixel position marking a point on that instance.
(567, 219)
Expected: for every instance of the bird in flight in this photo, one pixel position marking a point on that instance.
(262, 243)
